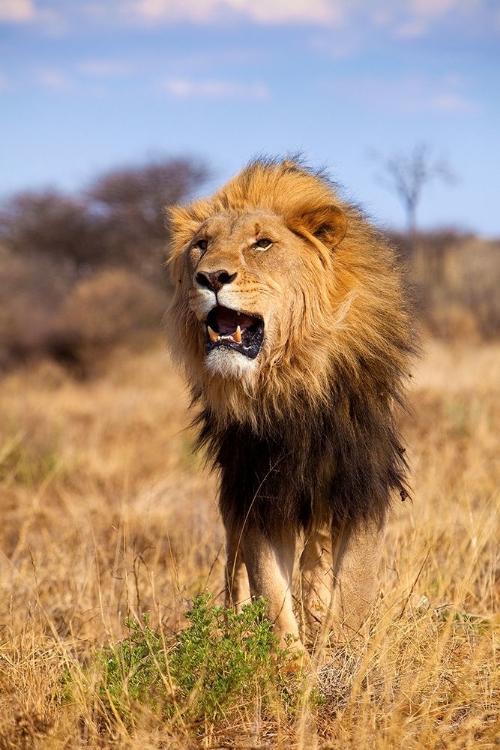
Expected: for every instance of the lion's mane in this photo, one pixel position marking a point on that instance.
(311, 437)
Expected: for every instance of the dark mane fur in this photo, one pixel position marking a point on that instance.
(353, 432)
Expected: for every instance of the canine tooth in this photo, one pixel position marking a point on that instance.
(213, 336)
(237, 335)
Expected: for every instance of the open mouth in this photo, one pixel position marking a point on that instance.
(239, 331)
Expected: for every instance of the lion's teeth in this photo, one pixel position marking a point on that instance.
(213, 336)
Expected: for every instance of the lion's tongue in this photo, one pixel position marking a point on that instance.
(228, 320)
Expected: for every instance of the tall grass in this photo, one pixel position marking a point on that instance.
(107, 516)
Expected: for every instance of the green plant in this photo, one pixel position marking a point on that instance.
(221, 661)
(133, 670)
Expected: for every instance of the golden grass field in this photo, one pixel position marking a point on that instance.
(107, 514)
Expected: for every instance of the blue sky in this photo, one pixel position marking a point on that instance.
(85, 86)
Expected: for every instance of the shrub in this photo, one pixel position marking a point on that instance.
(48, 223)
(31, 296)
(218, 664)
(115, 306)
(118, 220)
(456, 278)
(82, 273)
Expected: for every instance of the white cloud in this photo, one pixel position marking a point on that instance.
(53, 79)
(262, 11)
(417, 17)
(183, 88)
(435, 7)
(446, 94)
(410, 19)
(448, 101)
(363, 18)
(17, 11)
(412, 29)
(24, 11)
(105, 68)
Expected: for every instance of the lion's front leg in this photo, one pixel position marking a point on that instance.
(356, 553)
(237, 587)
(316, 579)
(269, 560)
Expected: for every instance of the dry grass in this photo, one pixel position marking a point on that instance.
(106, 513)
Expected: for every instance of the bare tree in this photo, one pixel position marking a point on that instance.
(406, 175)
(127, 206)
(137, 195)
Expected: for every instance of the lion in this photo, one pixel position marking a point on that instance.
(291, 321)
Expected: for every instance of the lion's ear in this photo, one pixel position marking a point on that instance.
(327, 224)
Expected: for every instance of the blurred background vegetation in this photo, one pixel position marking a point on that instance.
(81, 275)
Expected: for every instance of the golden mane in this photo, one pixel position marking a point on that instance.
(353, 323)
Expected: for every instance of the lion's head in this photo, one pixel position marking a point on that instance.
(280, 288)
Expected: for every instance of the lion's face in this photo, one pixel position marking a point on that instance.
(243, 272)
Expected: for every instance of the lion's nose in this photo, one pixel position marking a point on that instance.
(215, 280)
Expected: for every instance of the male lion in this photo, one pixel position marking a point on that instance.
(290, 320)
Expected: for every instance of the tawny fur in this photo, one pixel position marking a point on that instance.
(304, 435)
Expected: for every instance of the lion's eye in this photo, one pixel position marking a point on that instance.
(264, 243)
(201, 245)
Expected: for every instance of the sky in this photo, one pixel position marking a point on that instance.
(86, 86)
